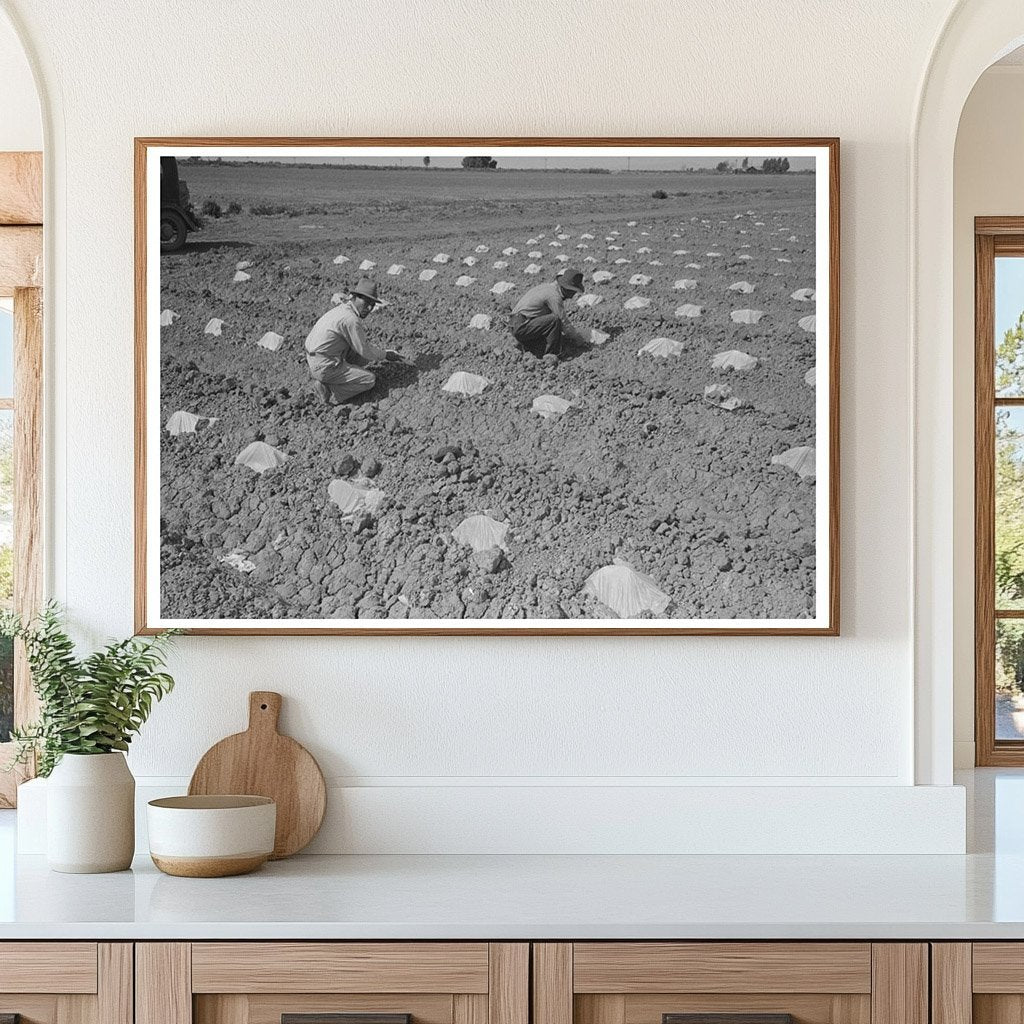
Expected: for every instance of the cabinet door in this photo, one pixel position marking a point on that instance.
(980, 982)
(730, 983)
(65, 983)
(332, 983)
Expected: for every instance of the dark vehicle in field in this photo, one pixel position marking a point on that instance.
(176, 217)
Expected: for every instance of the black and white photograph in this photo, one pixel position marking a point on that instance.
(465, 387)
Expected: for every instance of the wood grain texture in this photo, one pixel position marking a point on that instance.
(951, 983)
(143, 614)
(163, 983)
(115, 996)
(21, 188)
(304, 967)
(899, 989)
(467, 1009)
(633, 967)
(21, 258)
(262, 762)
(65, 967)
(998, 1009)
(552, 983)
(998, 967)
(599, 1009)
(508, 993)
(269, 1008)
(806, 1008)
(225, 1009)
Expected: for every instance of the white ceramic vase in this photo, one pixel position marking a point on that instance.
(90, 814)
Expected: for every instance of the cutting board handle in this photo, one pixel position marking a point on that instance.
(264, 710)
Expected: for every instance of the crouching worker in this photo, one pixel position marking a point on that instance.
(337, 349)
(538, 318)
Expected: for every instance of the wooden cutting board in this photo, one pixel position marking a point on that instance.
(262, 762)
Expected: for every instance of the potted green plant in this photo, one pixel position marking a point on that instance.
(90, 708)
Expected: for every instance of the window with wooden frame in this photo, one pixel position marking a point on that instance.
(21, 364)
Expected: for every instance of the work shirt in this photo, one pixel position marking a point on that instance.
(541, 300)
(338, 337)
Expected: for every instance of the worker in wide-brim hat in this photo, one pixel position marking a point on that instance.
(338, 351)
(538, 318)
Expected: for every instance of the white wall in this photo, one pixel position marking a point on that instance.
(21, 126)
(456, 712)
(987, 181)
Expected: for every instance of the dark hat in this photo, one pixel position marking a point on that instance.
(572, 279)
(368, 290)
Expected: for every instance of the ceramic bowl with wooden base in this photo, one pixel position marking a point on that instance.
(211, 836)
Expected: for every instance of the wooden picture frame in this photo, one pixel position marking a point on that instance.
(821, 617)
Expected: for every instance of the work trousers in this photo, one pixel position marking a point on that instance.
(540, 335)
(342, 380)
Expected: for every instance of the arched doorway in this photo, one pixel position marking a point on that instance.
(977, 33)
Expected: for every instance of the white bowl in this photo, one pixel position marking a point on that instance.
(211, 836)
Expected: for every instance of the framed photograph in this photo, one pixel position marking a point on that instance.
(498, 386)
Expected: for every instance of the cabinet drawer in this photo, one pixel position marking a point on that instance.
(66, 982)
(65, 967)
(730, 983)
(332, 983)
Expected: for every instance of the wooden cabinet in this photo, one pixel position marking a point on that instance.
(753, 982)
(66, 982)
(978, 983)
(310, 982)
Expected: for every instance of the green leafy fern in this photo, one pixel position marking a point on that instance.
(90, 705)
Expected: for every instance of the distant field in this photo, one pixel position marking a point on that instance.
(325, 186)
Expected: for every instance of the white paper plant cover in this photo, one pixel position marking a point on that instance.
(241, 275)
(469, 261)
(663, 347)
(601, 275)
(532, 268)
(809, 377)
(626, 591)
(551, 406)
(464, 281)
(744, 257)
(481, 533)
(510, 251)
(500, 287)
(598, 337)
(214, 327)
(733, 360)
(721, 396)
(555, 245)
(621, 260)
(395, 269)
(480, 322)
(463, 383)
(535, 254)
(428, 275)
(640, 279)
(271, 341)
(237, 560)
(694, 266)
(713, 255)
(644, 248)
(685, 284)
(803, 295)
(500, 264)
(742, 286)
(243, 264)
(587, 236)
(342, 259)
(800, 460)
(351, 499)
(689, 310)
(746, 316)
(182, 422)
(441, 257)
(481, 248)
(367, 265)
(589, 299)
(562, 258)
(636, 302)
(808, 323)
(260, 456)
(167, 317)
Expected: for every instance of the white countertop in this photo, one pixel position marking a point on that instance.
(977, 896)
(517, 897)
